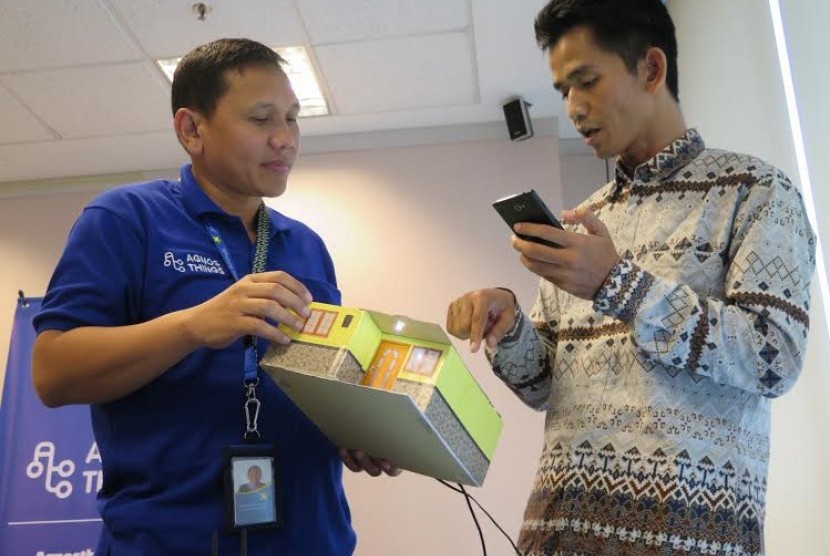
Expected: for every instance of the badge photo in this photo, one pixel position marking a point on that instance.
(251, 487)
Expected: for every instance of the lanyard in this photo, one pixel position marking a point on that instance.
(251, 369)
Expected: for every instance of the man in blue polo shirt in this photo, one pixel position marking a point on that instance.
(150, 315)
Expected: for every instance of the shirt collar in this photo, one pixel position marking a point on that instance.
(677, 154)
(198, 204)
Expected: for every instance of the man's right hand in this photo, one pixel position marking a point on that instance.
(243, 308)
(95, 364)
(483, 315)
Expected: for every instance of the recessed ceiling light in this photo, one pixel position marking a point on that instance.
(303, 79)
(168, 66)
(300, 72)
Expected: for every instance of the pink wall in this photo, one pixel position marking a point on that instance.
(410, 229)
(32, 234)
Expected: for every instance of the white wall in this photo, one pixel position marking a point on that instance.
(731, 90)
(581, 176)
(805, 23)
(32, 234)
(409, 228)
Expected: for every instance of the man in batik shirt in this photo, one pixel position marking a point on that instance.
(674, 309)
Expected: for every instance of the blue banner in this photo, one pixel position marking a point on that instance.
(50, 469)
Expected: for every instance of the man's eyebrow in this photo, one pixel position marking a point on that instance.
(575, 74)
(270, 105)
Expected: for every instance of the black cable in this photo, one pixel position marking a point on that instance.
(475, 519)
(469, 497)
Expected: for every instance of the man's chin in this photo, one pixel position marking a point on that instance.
(604, 153)
(273, 189)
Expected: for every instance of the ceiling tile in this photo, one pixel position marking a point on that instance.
(347, 20)
(168, 29)
(104, 100)
(515, 67)
(388, 65)
(18, 124)
(36, 35)
(367, 77)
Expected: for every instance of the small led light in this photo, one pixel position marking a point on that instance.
(399, 325)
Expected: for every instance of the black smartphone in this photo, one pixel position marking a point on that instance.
(527, 207)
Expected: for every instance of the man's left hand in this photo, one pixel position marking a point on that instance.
(580, 264)
(357, 461)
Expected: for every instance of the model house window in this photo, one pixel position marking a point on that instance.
(422, 361)
(319, 322)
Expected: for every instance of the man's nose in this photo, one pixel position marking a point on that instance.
(283, 137)
(576, 107)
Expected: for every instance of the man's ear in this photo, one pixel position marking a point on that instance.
(187, 124)
(656, 67)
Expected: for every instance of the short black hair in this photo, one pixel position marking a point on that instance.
(625, 27)
(199, 81)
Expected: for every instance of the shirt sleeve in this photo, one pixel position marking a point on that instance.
(523, 357)
(97, 281)
(755, 338)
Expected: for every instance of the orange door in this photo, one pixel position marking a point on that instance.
(386, 365)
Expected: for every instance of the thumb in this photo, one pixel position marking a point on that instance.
(588, 219)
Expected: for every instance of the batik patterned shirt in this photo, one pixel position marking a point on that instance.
(658, 391)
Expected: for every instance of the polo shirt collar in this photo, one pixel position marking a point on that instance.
(198, 204)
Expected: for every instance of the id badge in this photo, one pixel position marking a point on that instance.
(252, 494)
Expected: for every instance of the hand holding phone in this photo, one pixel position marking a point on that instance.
(527, 207)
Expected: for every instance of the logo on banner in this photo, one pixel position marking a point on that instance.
(52, 460)
(57, 474)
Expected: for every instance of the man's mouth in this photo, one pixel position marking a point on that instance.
(588, 132)
(278, 165)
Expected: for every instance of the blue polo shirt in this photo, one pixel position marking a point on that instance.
(141, 251)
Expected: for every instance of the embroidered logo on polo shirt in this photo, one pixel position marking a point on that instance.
(192, 262)
(171, 260)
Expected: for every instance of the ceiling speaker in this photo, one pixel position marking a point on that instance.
(517, 118)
